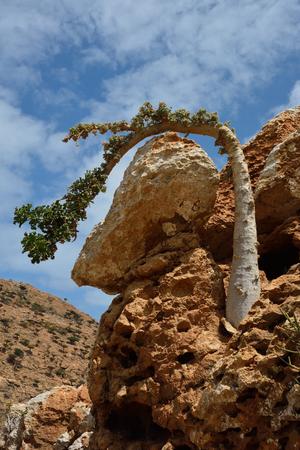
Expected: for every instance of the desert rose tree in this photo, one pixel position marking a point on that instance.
(57, 223)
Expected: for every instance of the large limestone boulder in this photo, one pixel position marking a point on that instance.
(277, 195)
(170, 182)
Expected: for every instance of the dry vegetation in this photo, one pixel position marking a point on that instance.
(44, 342)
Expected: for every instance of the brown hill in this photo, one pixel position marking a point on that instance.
(44, 342)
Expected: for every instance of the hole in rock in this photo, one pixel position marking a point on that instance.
(261, 347)
(149, 372)
(231, 411)
(127, 357)
(134, 421)
(219, 377)
(183, 326)
(126, 334)
(252, 432)
(279, 375)
(272, 322)
(182, 447)
(186, 358)
(247, 394)
(183, 288)
(160, 316)
(283, 442)
(277, 262)
(186, 409)
(283, 403)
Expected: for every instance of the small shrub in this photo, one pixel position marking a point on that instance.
(19, 352)
(53, 328)
(60, 372)
(25, 342)
(37, 308)
(5, 322)
(73, 315)
(73, 339)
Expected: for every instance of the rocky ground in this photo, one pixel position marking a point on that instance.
(56, 419)
(44, 342)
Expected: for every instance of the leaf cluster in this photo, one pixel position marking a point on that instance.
(57, 223)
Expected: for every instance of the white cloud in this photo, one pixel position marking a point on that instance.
(94, 55)
(293, 100)
(294, 97)
(220, 49)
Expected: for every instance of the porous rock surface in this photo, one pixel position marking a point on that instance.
(166, 374)
(57, 419)
(169, 183)
(277, 191)
(155, 348)
(218, 230)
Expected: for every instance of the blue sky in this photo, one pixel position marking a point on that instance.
(64, 62)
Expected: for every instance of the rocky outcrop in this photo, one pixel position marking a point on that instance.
(167, 372)
(218, 231)
(156, 346)
(58, 419)
(277, 192)
(252, 397)
(170, 182)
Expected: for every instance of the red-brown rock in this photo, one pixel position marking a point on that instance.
(218, 231)
(53, 420)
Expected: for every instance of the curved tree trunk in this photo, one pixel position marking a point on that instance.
(244, 286)
(244, 283)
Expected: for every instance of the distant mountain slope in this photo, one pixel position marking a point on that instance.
(44, 342)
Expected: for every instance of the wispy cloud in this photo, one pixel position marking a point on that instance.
(159, 45)
(293, 100)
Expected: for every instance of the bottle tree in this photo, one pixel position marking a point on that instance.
(57, 223)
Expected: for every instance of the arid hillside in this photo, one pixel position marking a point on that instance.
(44, 342)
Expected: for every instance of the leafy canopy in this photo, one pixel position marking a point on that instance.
(57, 222)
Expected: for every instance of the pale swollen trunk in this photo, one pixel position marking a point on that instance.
(244, 283)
